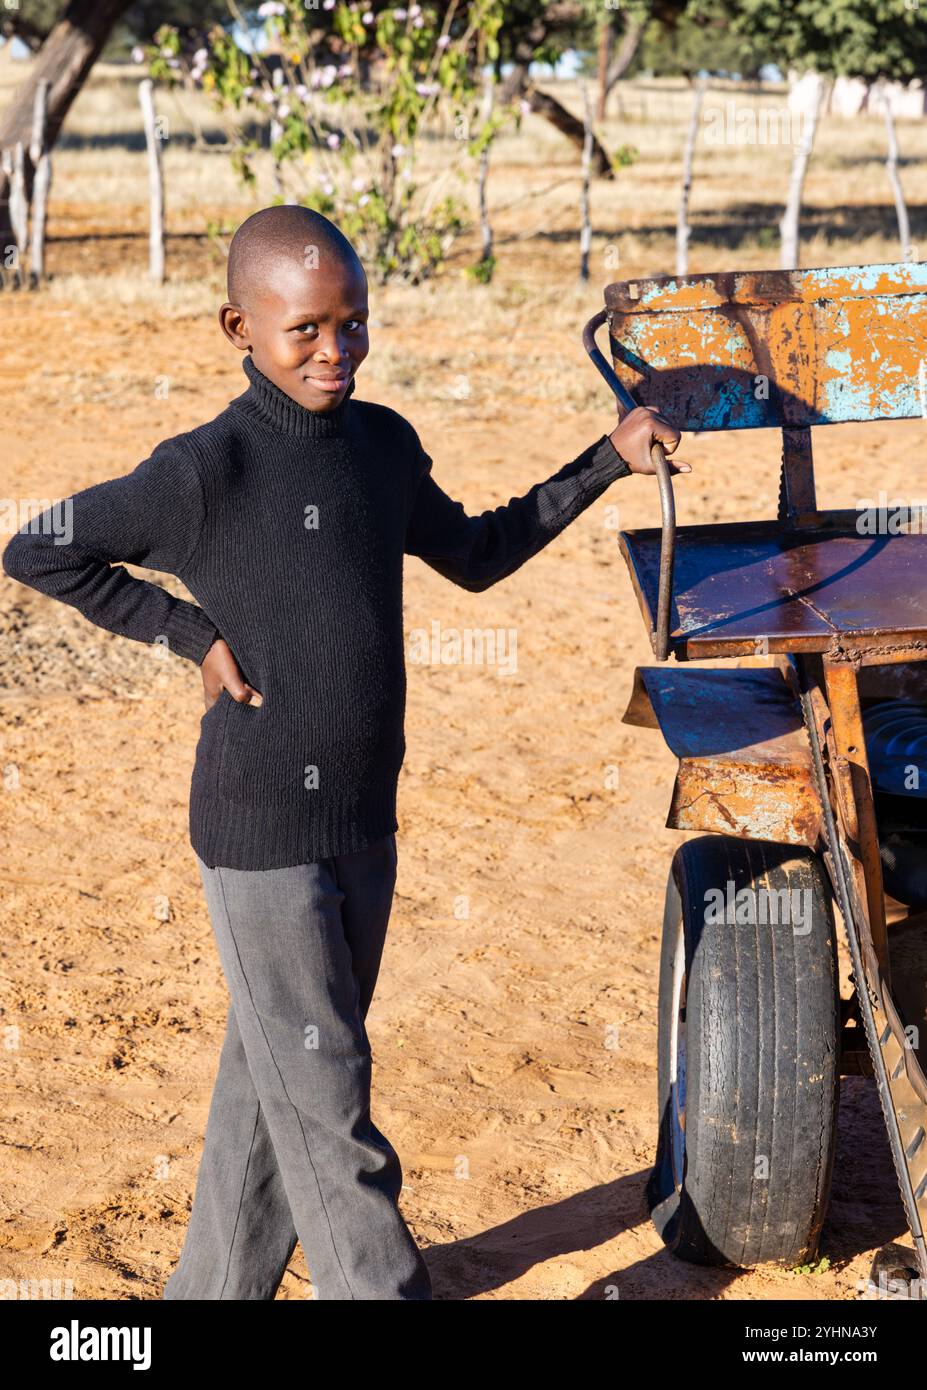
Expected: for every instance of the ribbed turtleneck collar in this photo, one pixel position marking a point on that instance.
(266, 402)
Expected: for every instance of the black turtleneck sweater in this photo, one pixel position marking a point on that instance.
(288, 526)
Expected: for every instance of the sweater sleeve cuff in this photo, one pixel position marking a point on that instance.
(189, 632)
(606, 463)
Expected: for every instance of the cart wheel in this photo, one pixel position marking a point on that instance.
(748, 1072)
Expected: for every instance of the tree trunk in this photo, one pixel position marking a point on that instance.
(788, 226)
(627, 51)
(605, 53)
(569, 125)
(517, 84)
(514, 84)
(64, 61)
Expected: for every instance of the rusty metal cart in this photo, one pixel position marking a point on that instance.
(807, 767)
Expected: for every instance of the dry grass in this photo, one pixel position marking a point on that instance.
(452, 340)
(180, 299)
(100, 183)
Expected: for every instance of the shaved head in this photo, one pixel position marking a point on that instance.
(279, 239)
(298, 304)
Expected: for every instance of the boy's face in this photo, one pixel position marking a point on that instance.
(306, 328)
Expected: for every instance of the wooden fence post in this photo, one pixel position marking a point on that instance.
(485, 224)
(585, 235)
(683, 229)
(11, 251)
(155, 183)
(789, 225)
(14, 165)
(891, 165)
(41, 161)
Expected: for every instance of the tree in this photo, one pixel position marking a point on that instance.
(349, 92)
(688, 37)
(67, 40)
(870, 39)
(853, 38)
(613, 64)
(33, 28)
(64, 61)
(33, 24)
(540, 31)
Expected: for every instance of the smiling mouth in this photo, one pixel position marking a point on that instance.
(329, 383)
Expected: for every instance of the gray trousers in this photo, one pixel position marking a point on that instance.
(291, 1151)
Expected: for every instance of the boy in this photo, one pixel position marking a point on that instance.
(287, 518)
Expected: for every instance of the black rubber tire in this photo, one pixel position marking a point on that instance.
(760, 1062)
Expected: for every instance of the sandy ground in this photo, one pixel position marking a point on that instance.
(525, 1137)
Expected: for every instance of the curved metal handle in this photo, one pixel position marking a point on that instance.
(626, 402)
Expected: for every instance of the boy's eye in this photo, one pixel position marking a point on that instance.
(351, 324)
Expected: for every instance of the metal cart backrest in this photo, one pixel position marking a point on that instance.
(786, 349)
(782, 348)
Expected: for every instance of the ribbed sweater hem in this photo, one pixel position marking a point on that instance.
(233, 835)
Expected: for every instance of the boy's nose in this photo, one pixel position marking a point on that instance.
(333, 352)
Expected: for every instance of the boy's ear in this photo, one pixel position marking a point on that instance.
(234, 325)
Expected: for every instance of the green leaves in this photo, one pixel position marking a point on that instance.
(348, 93)
(624, 156)
(854, 38)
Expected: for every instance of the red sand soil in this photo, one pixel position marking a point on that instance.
(525, 1139)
